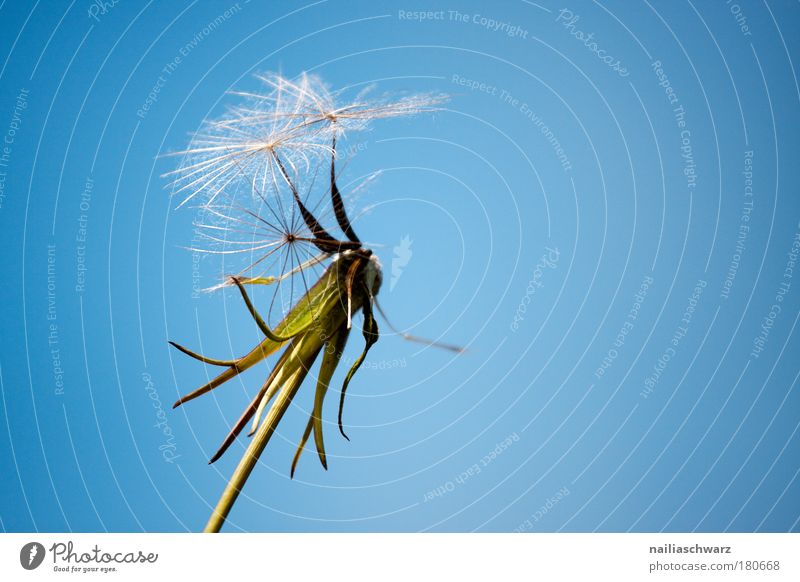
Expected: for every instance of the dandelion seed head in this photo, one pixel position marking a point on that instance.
(293, 120)
(241, 169)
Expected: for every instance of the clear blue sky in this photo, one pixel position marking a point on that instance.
(604, 213)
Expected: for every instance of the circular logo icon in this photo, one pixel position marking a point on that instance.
(31, 555)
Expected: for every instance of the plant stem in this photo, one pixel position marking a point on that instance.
(254, 450)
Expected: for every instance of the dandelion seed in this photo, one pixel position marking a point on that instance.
(251, 173)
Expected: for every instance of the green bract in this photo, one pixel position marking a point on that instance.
(318, 323)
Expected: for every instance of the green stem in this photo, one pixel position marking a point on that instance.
(254, 450)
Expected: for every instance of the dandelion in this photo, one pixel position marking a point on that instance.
(252, 173)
